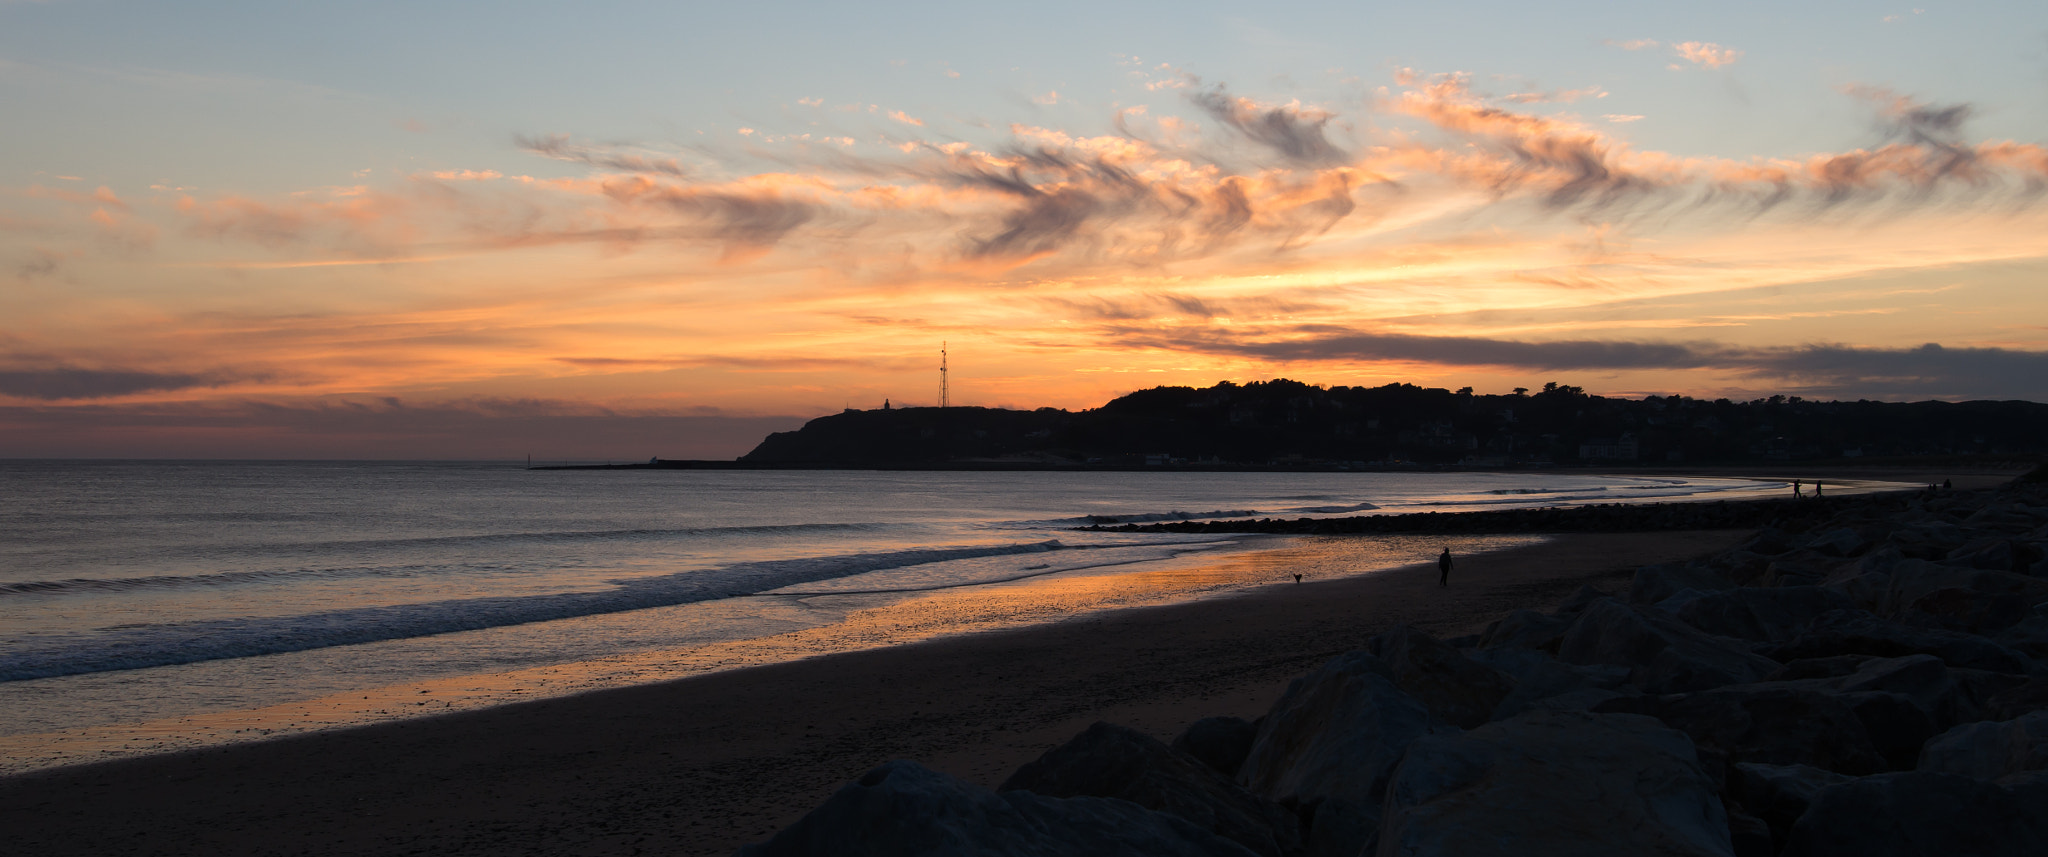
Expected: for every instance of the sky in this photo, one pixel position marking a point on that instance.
(623, 230)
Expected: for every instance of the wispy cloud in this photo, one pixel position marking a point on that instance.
(1704, 54)
(60, 382)
(1929, 369)
(559, 147)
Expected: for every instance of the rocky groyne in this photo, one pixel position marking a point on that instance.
(1867, 679)
(1782, 513)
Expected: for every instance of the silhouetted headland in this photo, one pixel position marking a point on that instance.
(1284, 425)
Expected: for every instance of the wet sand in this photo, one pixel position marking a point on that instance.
(705, 764)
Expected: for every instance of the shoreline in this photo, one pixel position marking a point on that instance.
(704, 764)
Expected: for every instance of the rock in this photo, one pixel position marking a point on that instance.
(1329, 744)
(1526, 629)
(1924, 680)
(1219, 742)
(901, 809)
(1962, 598)
(1990, 750)
(1866, 590)
(1802, 567)
(1996, 554)
(1113, 761)
(1456, 689)
(1581, 599)
(1761, 615)
(1768, 541)
(1654, 583)
(1843, 542)
(1667, 656)
(1828, 667)
(1843, 632)
(1554, 783)
(2010, 700)
(2030, 635)
(1748, 835)
(1739, 565)
(2030, 788)
(2007, 518)
(1917, 813)
(1930, 539)
(1770, 723)
(1779, 794)
(1896, 726)
(1540, 677)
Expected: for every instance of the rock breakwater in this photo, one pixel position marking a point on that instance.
(1785, 514)
(1867, 676)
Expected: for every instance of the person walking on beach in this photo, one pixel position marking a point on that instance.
(1795, 488)
(1443, 567)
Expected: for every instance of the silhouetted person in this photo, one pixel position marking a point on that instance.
(1795, 489)
(1946, 486)
(1443, 567)
(1816, 489)
(1297, 578)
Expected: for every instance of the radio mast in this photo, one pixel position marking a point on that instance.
(942, 375)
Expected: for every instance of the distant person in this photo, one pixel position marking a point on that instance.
(1795, 489)
(1816, 489)
(1947, 486)
(1443, 567)
(1297, 577)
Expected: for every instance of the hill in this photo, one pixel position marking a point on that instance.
(1283, 422)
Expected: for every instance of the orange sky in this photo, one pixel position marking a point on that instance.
(633, 299)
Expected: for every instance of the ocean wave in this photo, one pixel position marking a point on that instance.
(1334, 510)
(374, 546)
(190, 642)
(180, 581)
(1146, 517)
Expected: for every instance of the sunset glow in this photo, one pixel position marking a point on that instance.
(245, 232)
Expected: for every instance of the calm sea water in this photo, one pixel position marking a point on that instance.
(135, 596)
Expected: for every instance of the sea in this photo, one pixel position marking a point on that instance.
(147, 607)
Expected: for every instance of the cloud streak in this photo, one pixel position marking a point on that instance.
(1928, 369)
(70, 383)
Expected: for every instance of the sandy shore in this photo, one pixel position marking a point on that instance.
(702, 765)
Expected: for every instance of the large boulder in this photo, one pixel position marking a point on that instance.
(1524, 629)
(1219, 742)
(901, 809)
(1772, 723)
(1779, 794)
(1924, 680)
(1667, 656)
(1654, 583)
(1918, 813)
(1927, 539)
(1329, 744)
(2007, 517)
(1996, 554)
(1962, 598)
(1761, 615)
(1554, 783)
(1540, 678)
(1115, 761)
(2007, 699)
(1846, 632)
(1839, 542)
(2030, 635)
(1456, 689)
(1989, 750)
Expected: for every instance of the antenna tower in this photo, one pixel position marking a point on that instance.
(942, 375)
